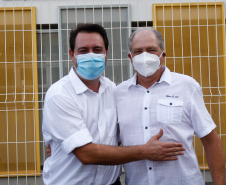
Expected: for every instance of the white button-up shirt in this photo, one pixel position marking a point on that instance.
(175, 103)
(75, 116)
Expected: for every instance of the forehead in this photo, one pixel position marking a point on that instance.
(144, 39)
(84, 39)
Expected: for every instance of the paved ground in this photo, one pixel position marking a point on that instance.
(38, 180)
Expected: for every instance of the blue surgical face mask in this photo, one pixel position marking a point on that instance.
(90, 65)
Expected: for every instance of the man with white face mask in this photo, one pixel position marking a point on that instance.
(155, 98)
(79, 120)
(146, 63)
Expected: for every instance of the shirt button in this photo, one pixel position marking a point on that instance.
(147, 91)
(146, 127)
(145, 108)
(171, 104)
(150, 168)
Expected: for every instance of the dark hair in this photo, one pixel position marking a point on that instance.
(88, 28)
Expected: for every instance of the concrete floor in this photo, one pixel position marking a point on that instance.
(38, 180)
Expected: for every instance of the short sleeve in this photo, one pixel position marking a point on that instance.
(202, 121)
(62, 122)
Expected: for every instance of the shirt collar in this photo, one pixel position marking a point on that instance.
(80, 87)
(133, 80)
(166, 77)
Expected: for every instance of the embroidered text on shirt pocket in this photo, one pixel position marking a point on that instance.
(169, 110)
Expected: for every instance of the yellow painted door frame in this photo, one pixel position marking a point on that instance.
(19, 135)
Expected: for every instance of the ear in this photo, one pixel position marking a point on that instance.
(106, 57)
(130, 57)
(164, 54)
(71, 53)
(163, 57)
(73, 58)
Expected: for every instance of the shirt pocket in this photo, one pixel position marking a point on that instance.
(169, 111)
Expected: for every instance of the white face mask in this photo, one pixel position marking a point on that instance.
(146, 64)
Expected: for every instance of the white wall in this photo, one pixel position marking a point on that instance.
(47, 10)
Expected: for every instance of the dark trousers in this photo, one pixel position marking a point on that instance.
(117, 182)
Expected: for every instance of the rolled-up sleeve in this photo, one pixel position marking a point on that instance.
(77, 139)
(63, 123)
(202, 121)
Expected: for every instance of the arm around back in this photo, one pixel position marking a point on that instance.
(114, 155)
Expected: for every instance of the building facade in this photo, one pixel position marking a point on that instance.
(34, 48)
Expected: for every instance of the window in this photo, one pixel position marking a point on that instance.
(115, 20)
(48, 67)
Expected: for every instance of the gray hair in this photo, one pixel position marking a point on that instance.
(157, 33)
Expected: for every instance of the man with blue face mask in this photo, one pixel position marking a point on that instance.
(155, 98)
(80, 121)
(91, 65)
